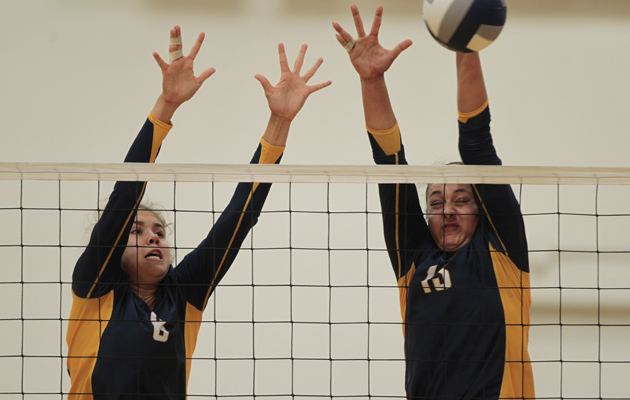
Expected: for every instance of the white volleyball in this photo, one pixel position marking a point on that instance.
(465, 25)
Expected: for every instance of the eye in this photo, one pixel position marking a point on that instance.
(136, 231)
(463, 200)
(160, 234)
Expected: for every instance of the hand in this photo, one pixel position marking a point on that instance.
(288, 96)
(368, 57)
(179, 83)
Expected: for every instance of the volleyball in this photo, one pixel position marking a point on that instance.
(465, 25)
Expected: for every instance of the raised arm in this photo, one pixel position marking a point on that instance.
(98, 268)
(207, 264)
(471, 87)
(288, 96)
(501, 210)
(475, 141)
(403, 222)
(371, 61)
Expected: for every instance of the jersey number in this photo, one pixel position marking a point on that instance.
(160, 334)
(440, 282)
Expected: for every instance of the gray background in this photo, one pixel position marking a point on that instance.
(78, 80)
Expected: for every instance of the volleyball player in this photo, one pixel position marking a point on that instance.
(135, 318)
(463, 273)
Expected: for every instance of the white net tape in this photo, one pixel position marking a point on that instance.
(316, 173)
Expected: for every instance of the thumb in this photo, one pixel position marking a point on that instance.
(163, 65)
(205, 75)
(264, 82)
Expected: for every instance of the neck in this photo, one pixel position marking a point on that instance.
(147, 293)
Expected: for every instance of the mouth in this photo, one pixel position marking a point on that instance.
(154, 255)
(450, 227)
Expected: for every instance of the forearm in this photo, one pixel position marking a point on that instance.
(475, 141)
(377, 107)
(164, 110)
(476, 146)
(403, 220)
(277, 131)
(148, 142)
(404, 227)
(471, 88)
(209, 262)
(100, 261)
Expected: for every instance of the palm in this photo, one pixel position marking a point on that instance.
(179, 83)
(288, 96)
(370, 59)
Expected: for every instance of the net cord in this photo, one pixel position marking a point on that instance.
(537, 175)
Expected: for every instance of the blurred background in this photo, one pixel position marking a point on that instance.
(78, 80)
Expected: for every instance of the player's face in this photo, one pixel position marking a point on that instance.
(147, 257)
(453, 215)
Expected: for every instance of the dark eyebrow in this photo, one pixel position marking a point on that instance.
(435, 191)
(438, 191)
(141, 223)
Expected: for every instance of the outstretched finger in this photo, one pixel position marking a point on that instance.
(161, 63)
(343, 37)
(299, 60)
(311, 71)
(358, 22)
(194, 50)
(316, 87)
(264, 82)
(175, 47)
(205, 75)
(404, 45)
(175, 33)
(284, 64)
(342, 34)
(378, 17)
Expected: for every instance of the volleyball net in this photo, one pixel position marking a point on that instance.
(310, 307)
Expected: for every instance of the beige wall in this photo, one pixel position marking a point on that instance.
(77, 80)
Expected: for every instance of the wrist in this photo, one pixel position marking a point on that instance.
(277, 130)
(373, 81)
(164, 110)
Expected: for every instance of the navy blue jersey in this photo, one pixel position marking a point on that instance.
(466, 317)
(118, 347)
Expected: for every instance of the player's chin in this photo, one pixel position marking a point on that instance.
(156, 270)
(452, 244)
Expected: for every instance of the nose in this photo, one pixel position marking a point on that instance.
(449, 209)
(153, 238)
